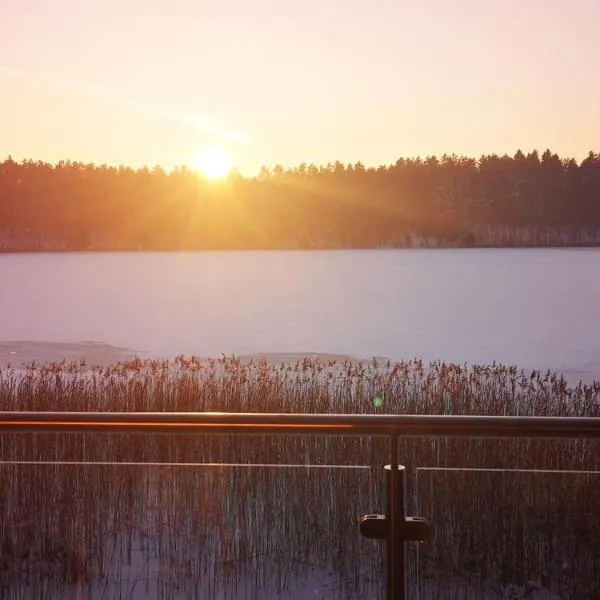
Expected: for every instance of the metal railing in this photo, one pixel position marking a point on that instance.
(395, 528)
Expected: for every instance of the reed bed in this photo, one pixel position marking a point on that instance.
(101, 530)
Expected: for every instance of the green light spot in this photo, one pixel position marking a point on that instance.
(378, 402)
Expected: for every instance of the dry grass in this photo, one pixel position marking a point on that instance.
(203, 531)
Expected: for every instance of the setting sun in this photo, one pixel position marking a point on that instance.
(213, 162)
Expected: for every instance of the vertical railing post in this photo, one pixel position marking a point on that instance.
(394, 528)
(395, 516)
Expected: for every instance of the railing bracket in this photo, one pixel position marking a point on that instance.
(412, 529)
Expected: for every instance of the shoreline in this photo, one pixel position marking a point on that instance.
(582, 246)
(18, 354)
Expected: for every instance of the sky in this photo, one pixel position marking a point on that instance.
(151, 82)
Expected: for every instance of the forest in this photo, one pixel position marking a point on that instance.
(452, 201)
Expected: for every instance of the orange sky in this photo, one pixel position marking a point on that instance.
(282, 81)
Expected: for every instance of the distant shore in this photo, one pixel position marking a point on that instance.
(472, 236)
(299, 249)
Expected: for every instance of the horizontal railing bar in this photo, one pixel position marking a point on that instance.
(510, 470)
(291, 423)
(116, 463)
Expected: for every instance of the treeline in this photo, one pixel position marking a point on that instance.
(526, 199)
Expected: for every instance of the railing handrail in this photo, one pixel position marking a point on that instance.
(293, 423)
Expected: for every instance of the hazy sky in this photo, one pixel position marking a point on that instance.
(282, 81)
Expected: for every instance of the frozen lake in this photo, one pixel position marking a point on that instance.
(536, 308)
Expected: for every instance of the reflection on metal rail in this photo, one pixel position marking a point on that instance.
(328, 424)
(394, 527)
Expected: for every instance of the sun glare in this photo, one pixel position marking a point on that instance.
(213, 162)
